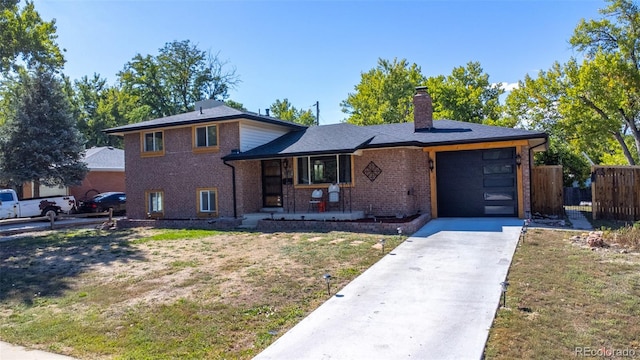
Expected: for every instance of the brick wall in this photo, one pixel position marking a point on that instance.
(402, 188)
(179, 173)
(102, 181)
(249, 186)
(408, 228)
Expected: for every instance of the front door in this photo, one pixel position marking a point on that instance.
(271, 183)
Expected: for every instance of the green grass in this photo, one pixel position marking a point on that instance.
(158, 294)
(167, 235)
(562, 297)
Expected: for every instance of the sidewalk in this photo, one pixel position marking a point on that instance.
(14, 352)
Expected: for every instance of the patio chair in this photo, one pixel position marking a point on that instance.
(334, 196)
(316, 199)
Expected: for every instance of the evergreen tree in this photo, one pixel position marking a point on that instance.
(40, 141)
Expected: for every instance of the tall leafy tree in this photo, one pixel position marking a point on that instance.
(116, 108)
(86, 94)
(465, 95)
(40, 141)
(384, 94)
(611, 90)
(284, 110)
(172, 81)
(592, 104)
(25, 36)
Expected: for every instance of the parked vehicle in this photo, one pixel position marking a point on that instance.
(11, 207)
(105, 201)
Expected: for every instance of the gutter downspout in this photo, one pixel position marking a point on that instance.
(233, 181)
(546, 140)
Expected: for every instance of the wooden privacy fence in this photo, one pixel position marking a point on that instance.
(616, 192)
(546, 190)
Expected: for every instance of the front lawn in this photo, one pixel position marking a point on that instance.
(144, 294)
(567, 300)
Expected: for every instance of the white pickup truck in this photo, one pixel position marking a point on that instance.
(11, 207)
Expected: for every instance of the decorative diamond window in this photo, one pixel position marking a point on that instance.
(372, 171)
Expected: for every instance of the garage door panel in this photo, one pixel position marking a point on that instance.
(476, 183)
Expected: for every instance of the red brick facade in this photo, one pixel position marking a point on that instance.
(401, 189)
(179, 173)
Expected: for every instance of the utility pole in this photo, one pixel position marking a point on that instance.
(317, 105)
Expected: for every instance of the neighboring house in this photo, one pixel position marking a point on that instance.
(221, 161)
(106, 173)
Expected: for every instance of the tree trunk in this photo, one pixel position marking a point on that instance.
(630, 121)
(625, 148)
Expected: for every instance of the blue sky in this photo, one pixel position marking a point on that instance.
(310, 51)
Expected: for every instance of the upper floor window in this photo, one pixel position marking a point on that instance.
(153, 143)
(324, 169)
(205, 137)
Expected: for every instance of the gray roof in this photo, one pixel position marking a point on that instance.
(218, 113)
(347, 138)
(105, 158)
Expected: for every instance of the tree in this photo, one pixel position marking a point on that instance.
(24, 35)
(283, 110)
(612, 69)
(116, 108)
(575, 167)
(86, 95)
(236, 105)
(384, 94)
(181, 74)
(40, 142)
(465, 95)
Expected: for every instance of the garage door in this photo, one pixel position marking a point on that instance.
(477, 183)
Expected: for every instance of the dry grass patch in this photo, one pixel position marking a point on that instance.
(565, 298)
(147, 294)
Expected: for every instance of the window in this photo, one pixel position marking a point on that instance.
(152, 143)
(205, 137)
(6, 197)
(324, 169)
(155, 203)
(207, 202)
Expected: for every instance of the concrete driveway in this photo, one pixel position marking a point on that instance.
(433, 297)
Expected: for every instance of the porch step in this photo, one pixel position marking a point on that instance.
(250, 221)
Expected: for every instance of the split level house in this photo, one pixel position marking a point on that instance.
(221, 162)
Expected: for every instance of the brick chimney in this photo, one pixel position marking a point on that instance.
(422, 110)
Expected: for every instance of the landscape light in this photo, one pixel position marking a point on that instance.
(504, 285)
(382, 241)
(327, 278)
